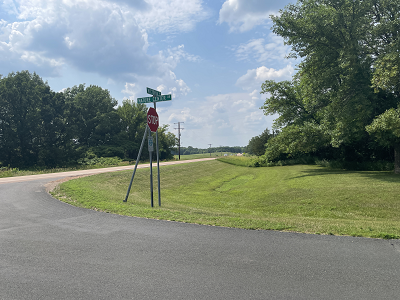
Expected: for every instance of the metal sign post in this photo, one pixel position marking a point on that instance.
(137, 161)
(150, 146)
(158, 166)
(152, 126)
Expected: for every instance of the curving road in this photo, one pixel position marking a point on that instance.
(51, 250)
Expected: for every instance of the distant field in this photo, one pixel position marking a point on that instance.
(299, 198)
(204, 155)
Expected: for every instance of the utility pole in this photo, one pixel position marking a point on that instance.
(210, 148)
(179, 138)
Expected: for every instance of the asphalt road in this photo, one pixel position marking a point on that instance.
(51, 250)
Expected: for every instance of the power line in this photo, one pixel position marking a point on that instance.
(179, 138)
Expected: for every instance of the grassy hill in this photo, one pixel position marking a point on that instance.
(301, 198)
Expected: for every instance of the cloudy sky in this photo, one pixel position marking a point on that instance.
(211, 55)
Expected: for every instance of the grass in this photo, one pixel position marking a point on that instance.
(300, 198)
(11, 172)
(104, 163)
(203, 155)
(243, 161)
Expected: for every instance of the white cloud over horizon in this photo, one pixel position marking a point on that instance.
(263, 50)
(244, 15)
(178, 47)
(91, 36)
(221, 116)
(255, 77)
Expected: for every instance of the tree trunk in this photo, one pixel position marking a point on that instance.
(397, 158)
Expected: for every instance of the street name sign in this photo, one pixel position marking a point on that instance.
(154, 99)
(153, 92)
(150, 144)
(152, 119)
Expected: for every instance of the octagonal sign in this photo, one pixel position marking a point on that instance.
(152, 119)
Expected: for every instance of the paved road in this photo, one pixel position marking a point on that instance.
(51, 250)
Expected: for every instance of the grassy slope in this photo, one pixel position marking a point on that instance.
(299, 198)
(203, 155)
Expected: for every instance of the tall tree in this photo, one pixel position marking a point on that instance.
(133, 119)
(386, 129)
(331, 94)
(32, 127)
(91, 115)
(257, 144)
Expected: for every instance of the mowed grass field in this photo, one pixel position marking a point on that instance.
(203, 155)
(300, 198)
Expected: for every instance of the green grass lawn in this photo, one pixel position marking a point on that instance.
(203, 155)
(301, 198)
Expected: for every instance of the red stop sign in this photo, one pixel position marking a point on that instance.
(152, 119)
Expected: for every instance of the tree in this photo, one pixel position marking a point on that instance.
(257, 144)
(32, 124)
(341, 44)
(386, 46)
(133, 119)
(166, 142)
(91, 116)
(386, 129)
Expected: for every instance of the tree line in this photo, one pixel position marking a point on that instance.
(40, 127)
(192, 150)
(343, 102)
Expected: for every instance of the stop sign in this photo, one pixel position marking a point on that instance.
(152, 119)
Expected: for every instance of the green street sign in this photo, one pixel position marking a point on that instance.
(154, 99)
(153, 92)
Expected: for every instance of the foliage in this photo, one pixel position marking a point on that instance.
(166, 141)
(257, 144)
(133, 123)
(39, 127)
(102, 161)
(32, 124)
(386, 127)
(386, 47)
(91, 115)
(348, 75)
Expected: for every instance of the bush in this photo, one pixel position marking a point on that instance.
(357, 166)
(8, 172)
(101, 161)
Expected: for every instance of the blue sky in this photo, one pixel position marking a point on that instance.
(212, 56)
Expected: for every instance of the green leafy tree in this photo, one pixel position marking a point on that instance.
(343, 45)
(386, 45)
(166, 143)
(386, 129)
(133, 119)
(257, 144)
(32, 123)
(92, 118)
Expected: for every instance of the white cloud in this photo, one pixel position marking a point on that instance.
(263, 50)
(255, 77)
(172, 56)
(243, 15)
(9, 7)
(101, 37)
(225, 119)
(91, 36)
(166, 84)
(131, 91)
(172, 15)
